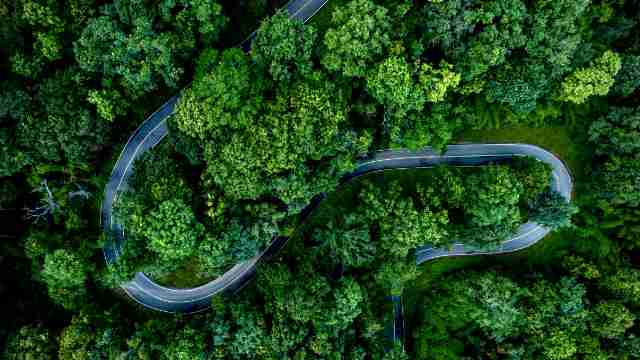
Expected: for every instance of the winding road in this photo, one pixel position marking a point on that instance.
(154, 296)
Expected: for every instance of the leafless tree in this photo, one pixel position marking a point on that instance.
(47, 206)
(80, 193)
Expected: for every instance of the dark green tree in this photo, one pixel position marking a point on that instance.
(33, 342)
(283, 46)
(126, 46)
(92, 334)
(358, 37)
(628, 78)
(618, 132)
(552, 210)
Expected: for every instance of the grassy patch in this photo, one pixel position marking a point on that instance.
(559, 140)
(187, 276)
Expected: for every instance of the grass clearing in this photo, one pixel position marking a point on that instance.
(557, 139)
(187, 276)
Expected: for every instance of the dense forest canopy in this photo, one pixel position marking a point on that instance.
(257, 135)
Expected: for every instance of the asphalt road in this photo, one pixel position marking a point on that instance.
(154, 296)
(471, 155)
(142, 289)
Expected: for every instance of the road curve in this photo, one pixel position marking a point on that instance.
(142, 289)
(154, 296)
(471, 155)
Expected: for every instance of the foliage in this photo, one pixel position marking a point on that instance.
(300, 125)
(283, 47)
(492, 205)
(628, 78)
(257, 136)
(470, 38)
(123, 46)
(225, 96)
(91, 334)
(618, 132)
(536, 318)
(552, 210)
(30, 342)
(531, 173)
(172, 230)
(64, 269)
(615, 175)
(596, 79)
(403, 88)
(359, 36)
(65, 275)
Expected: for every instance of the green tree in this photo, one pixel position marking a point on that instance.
(141, 60)
(63, 268)
(624, 284)
(283, 46)
(394, 275)
(348, 242)
(227, 94)
(616, 183)
(402, 87)
(596, 79)
(187, 344)
(433, 127)
(65, 274)
(359, 36)
(302, 134)
(45, 24)
(560, 345)
(248, 340)
(520, 84)
(92, 334)
(173, 231)
(555, 34)
(552, 210)
(466, 32)
(61, 129)
(534, 175)
(494, 198)
(391, 83)
(611, 319)
(628, 78)
(618, 132)
(31, 342)
(402, 227)
(396, 353)
(348, 297)
(126, 45)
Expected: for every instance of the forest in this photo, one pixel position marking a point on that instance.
(266, 123)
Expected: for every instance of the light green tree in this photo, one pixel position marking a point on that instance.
(596, 79)
(173, 231)
(63, 268)
(495, 195)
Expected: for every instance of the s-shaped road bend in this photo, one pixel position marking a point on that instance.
(154, 129)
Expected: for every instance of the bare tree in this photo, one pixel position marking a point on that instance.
(80, 193)
(47, 206)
